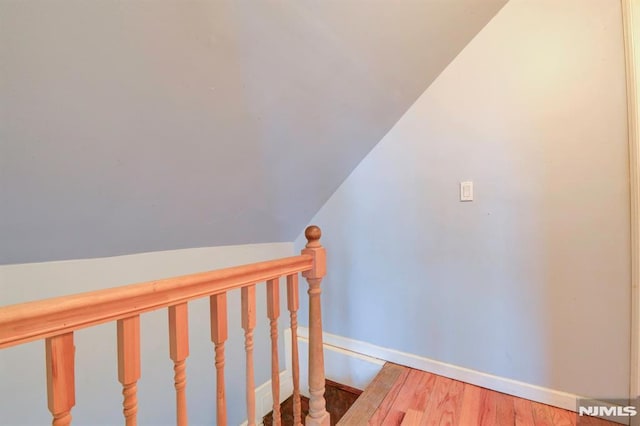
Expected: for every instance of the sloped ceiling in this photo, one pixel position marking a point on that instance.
(151, 125)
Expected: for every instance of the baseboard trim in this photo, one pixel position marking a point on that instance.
(344, 354)
(364, 350)
(264, 397)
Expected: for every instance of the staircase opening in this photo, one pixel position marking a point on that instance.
(339, 398)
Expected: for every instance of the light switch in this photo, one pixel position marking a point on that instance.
(466, 191)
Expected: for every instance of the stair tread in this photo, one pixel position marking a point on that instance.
(388, 381)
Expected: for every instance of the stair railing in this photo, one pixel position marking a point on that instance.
(55, 320)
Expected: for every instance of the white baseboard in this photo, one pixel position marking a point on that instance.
(375, 356)
(356, 363)
(342, 366)
(264, 397)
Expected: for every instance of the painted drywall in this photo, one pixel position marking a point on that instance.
(141, 126)
(98, 392)
(531, 280)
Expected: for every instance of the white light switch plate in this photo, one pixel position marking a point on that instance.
(466, 191)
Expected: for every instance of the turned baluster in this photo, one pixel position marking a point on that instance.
(129, 365)
(318, 415)
(293, 305)
(248, 296)
(61, 395)
(179, 351)
(219, 334)
(273, 312)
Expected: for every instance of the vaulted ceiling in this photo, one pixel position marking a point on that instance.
(152, 125)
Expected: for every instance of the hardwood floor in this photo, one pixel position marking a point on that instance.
(403, 396)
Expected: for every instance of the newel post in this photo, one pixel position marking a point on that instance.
(318, 415)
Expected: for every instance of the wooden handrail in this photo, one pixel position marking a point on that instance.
(56, 320)
(30, 321)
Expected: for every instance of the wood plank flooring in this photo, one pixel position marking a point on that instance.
(402, 396)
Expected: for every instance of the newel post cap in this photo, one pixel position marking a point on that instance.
(313, 234)
(316, 251)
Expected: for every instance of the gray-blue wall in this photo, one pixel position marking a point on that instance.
(151, 125)
(531, 280)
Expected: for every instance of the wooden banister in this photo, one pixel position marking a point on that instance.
(129, 366)
(273, 312)
(318, 415)
(30, 321)
(293, 304)
(219, 334)
(56, 320)
(248, 296)
(61, 394)
(179, 351)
